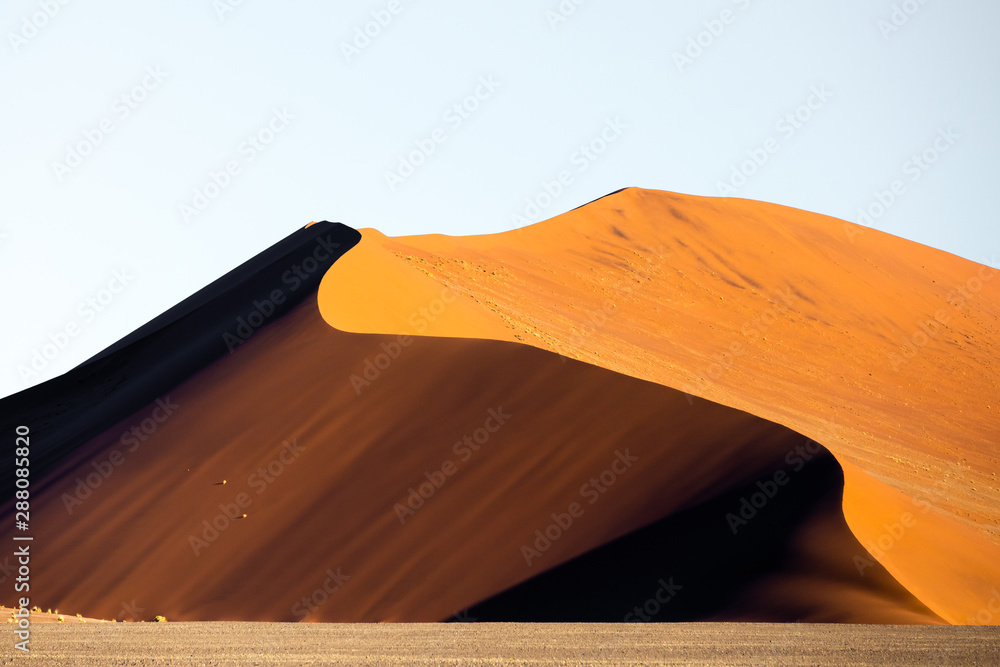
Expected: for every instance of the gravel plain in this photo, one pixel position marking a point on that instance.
(504, 644)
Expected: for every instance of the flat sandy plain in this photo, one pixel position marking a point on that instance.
(507, 643)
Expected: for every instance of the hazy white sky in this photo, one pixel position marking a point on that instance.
(149, 147)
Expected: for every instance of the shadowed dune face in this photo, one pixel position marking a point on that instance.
(67, 411)
(501, 439)
(883, 350)
(792, 559)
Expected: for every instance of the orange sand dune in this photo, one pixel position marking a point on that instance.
(318, 437)
(883, 350)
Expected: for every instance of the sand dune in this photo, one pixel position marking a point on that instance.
(883, 350)
(565, 422)
(330, 515)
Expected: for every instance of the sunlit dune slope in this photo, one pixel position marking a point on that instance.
(325, 441)
(387, 296)
(883, 350)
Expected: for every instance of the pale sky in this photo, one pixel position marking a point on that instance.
(121, 118)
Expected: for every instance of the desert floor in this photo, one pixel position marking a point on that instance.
(501, 643)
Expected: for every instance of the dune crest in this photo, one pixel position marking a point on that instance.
(883, 350)
(402, 298)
